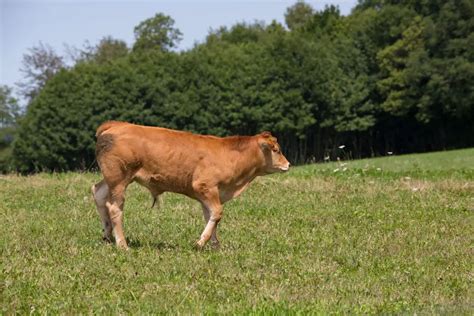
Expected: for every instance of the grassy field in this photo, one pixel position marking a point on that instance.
(388, 235)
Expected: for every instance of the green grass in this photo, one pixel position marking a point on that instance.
(388, 235)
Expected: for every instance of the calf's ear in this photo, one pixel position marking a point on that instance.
(266, 140)
(267, 143)
(266, 134)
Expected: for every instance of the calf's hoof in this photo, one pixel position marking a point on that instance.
(107, 239)
(215, 244)
(199, 245)
(122, 245)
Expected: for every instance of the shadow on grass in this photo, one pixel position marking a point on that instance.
(159, 245)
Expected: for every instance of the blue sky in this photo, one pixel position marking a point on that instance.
(24, 23)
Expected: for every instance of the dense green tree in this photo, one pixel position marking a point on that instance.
(108, 49)
(156, 32)
(298, 15)
(392, 76)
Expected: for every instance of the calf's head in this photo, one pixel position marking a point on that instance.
(275, 161)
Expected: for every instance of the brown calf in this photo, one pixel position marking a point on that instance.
(209, 169)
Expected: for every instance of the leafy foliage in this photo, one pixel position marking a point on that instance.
(39, 65)
(9, 108)
(9, 114)
(157, 32)
(394, 76)
(298, 15)
(106, 50)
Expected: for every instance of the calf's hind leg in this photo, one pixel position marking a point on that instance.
(115, 207)
(101, 193)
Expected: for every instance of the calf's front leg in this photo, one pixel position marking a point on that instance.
(214, 241)
(214, 213)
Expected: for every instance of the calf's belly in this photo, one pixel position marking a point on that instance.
(159, 182)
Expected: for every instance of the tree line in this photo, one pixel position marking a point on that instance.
(393, 76)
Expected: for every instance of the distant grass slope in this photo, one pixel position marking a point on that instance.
(455, 163)
(388, 235)
(442, 160)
